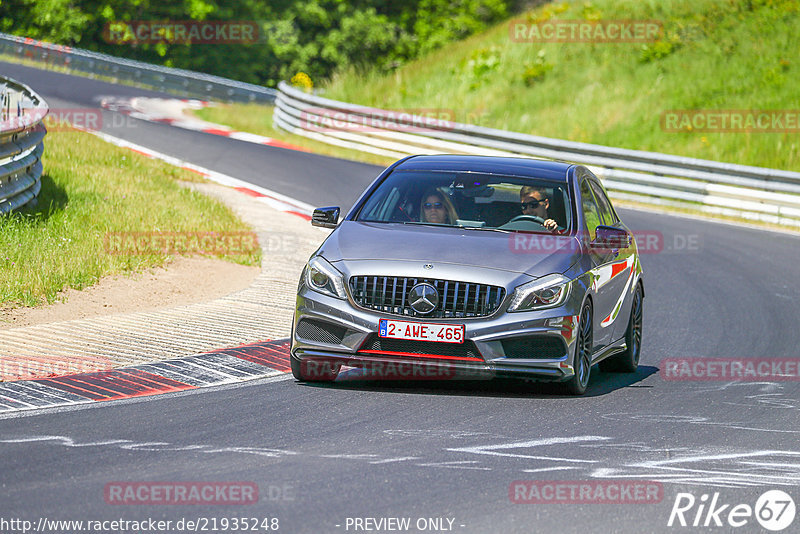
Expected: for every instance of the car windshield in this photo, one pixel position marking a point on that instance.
(469, 200)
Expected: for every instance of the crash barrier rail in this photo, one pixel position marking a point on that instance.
(21, 144)
(756, 193)
(165, 79)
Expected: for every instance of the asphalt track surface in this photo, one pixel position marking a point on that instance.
(321, 454)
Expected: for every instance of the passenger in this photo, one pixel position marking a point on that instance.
(534, 201)
(437, 208)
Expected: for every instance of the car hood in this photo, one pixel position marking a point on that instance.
(532, 254)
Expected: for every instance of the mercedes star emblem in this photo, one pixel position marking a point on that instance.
(423, 298)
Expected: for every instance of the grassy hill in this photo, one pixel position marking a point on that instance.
(713, 55)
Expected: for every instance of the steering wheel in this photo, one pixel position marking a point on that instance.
(533, 218)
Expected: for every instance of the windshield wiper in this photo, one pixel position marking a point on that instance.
(437, 225)
(419, 223)
(484, 228)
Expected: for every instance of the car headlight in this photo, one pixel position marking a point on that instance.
(546, 292)
(323, 277)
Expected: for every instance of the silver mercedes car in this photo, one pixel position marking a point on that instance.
(472, 267)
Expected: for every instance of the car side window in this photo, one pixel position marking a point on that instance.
(380, 208)
(606, 211)
(591, 213)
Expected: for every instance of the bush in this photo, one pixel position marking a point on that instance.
(660, 49)
(535, 72)
(481, 64)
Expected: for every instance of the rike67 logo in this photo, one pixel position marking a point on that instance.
(774, 510)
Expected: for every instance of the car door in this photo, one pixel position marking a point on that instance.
(603, 269)
(622, 266)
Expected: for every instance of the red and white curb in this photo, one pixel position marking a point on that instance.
(170, 111)
(264, 359)
(272, 198)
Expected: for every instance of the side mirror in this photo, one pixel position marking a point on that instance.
(610, 238)
(325, 217)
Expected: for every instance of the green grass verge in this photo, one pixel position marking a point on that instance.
(89, 188)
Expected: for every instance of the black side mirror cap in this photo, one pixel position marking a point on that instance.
(610, 238)
(325, 217)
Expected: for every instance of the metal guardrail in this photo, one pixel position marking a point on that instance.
(169, 80)
(762, 194)
(21, 144)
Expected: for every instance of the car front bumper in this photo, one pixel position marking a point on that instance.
(345, 328)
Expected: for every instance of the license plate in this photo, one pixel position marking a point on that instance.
(442, 333)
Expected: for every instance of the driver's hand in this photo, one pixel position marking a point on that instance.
(551, 225)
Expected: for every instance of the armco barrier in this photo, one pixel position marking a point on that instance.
(761, 194)
(168, 80)
(21, 144)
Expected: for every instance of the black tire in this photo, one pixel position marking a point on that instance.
(583, 354)
(314, 371)
(628, 361)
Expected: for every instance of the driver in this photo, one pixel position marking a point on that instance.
(534, 201)
(435, 207)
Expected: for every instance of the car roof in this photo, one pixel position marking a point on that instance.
(550, 170)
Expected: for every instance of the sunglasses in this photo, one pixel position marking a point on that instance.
(533, 204)
(429, 205)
